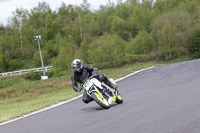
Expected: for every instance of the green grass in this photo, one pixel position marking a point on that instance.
(11, 81)
(19, 108)
(23, 97)
(127, 69)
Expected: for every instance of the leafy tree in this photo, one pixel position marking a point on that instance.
(37, 60)
(86, 6)
(61, 62)
(166, 41)
(84, 49)
(122, 10)
(15, 64)
(44, 22)
(142, 44)
(64, 58)
(19, 20)
(140, 19)
(4, 65)
(2, 38)
(172, 32)
(49, 53)
(90, 25)
(190, 6)
(97, 37)
(120, 27)
(164, 6)
(108, 50)
(66, 17)
(194, 44)
(104, 19)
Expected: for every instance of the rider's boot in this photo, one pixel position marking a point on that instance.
(114, 86)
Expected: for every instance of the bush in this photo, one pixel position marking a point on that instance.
(15, 64)
(4, 64)
(65, 58)
(33, 75)
(50, 74)
(142, 44)
(36, 75)
(171, 32)
(107, 51)
(194, 44)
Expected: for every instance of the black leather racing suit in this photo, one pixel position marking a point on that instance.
(80, 77)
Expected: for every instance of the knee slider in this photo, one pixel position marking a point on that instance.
(85, 100)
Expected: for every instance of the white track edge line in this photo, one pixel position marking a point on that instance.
(64, 102)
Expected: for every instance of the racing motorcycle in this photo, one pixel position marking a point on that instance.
(102, 93)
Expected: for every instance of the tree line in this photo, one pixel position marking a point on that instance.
(113, 35)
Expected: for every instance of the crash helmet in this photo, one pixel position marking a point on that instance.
(76, 65)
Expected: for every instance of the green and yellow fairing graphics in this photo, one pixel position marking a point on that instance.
(119, 97)
(100, 98)
(114, 99)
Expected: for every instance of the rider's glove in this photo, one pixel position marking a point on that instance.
(79, 89)
(94, 72)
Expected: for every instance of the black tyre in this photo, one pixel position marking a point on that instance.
(119, 99)
(100, 100)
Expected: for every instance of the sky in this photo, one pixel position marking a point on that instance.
(9, 6)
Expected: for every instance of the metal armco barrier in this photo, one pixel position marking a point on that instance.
(20, 72)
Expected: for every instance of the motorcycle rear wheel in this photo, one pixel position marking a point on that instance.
(100, 100)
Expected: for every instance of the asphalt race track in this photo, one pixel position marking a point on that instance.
(164, 99)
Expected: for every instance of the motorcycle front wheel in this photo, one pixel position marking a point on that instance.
(100, 100)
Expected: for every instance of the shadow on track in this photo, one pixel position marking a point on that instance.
(98, 108)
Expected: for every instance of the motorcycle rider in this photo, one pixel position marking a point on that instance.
(81, 73)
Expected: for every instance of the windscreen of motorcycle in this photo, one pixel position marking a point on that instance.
(88, 84)
(96, 82)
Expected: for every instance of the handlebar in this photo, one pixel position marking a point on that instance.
(92, 76)
(81, 85)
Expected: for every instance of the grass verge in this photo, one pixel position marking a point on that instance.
(24, 97)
